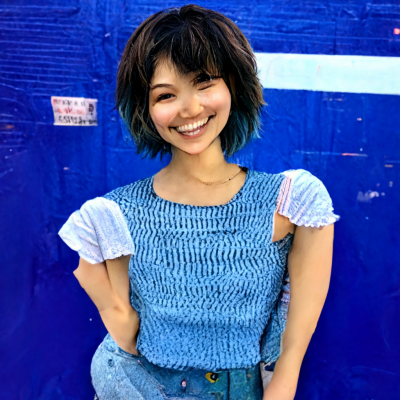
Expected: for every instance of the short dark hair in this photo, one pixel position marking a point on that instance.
(194, 39)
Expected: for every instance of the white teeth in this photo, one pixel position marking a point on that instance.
(191, 127)
(191, 133)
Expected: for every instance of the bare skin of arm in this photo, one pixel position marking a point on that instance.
(309, 263)
(107, 284)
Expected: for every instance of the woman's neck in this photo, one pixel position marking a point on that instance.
(210, 165)
(182, 181)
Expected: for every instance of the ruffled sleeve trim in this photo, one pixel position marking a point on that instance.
(304, 199)
(98, 231)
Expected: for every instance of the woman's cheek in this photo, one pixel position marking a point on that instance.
(162, 117)
(218, 101)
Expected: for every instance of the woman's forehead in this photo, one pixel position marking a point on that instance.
(167, 72)
(176, 68)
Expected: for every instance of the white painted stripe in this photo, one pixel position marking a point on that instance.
(318, 72)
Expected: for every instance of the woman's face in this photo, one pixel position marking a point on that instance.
(189, 111)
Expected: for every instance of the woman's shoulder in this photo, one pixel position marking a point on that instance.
(98, 230)
(137, 191)
(304, 199)
(300, 196)
(116, 200)
(292, 177)
(301, 175)
(292, 174)
(297, 181)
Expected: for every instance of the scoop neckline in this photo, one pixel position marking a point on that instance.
(233, 199)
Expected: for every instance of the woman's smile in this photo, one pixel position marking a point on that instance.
(191, 131)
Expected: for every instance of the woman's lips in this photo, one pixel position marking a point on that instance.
(198, 132)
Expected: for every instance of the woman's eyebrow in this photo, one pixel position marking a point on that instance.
(167, 85)
(205, 74)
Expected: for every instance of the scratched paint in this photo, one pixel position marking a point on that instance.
(49, 328)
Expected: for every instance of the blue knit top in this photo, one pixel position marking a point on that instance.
(209, 286)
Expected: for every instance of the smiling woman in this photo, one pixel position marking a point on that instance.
(166, 50)
(201, 309)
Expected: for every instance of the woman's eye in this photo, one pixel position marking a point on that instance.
(205, 81)
(205, 85)
(164, 97)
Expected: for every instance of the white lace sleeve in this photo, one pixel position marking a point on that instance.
(98, 231)
(304, 199)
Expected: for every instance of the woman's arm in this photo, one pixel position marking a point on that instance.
(107, 284)
(310, 261)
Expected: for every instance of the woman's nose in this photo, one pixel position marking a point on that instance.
(190, 107)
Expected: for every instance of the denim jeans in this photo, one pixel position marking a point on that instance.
(118, 375)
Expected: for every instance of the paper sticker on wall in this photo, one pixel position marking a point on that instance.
(76, 111)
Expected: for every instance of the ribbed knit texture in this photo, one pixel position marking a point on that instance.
(204, 280)
(209, 286)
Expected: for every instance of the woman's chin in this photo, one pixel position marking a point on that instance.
(193, 148)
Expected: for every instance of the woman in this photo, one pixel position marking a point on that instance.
(189, 268)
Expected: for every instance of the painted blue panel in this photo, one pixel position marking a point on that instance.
(320, 72)
(49, 327)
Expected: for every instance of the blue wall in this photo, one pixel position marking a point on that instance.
(49, 327)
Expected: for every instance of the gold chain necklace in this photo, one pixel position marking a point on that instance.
(220, 183)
